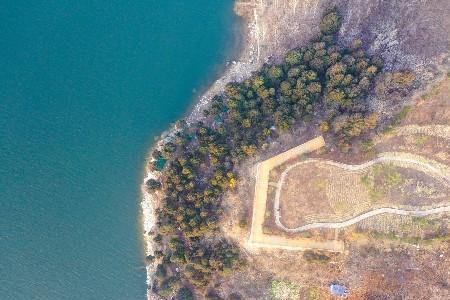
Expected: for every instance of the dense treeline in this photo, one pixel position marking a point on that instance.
(201, 158)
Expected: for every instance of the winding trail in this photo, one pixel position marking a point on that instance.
(369, 214)
(419, 163)
(260, 239)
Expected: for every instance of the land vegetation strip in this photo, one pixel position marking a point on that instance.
(429, 167)
(258, 238)
(201, 157)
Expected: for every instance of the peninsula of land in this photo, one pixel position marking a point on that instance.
(327, 68)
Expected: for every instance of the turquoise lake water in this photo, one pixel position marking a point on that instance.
(84, 88)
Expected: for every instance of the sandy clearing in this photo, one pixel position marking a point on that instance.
(258, 239)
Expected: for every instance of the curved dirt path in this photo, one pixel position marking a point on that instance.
(419, 163)
(258, 238)
(369, 214)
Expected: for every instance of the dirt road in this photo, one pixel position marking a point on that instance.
(258, 238)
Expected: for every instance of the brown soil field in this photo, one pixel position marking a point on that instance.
(386, 257)
(299, 201)
(408, 35)
(315, 192)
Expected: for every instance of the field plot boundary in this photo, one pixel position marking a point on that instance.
(258, 238)
(429, 167)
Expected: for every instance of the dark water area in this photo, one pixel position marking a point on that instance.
(85, 86)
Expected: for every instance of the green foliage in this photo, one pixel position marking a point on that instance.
(395, 83)
(349, 126)
(160, 272)
(184, 294)
(294, 57)
(243, 223)
(169, 148)
(284, 290)
(330, 23)
(275, 72)
(403, 113)
(381, 180)
(367, 145)
(156, 155)
(317, 257)
(168, 286)
(388, 175)
(234, 296)
(212, 295)
(421, 140)
(201, 160)
(149, 259)
(402, 79)
(376, 194)
(413, 233)
(153, 184)
(157, 238)
(313, 294)
(158, 253)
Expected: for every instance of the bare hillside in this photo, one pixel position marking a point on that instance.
(407, 34)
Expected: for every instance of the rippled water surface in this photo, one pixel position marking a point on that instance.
(84, 88)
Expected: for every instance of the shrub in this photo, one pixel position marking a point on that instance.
(168, 287)
(158, 254)
(367, 145)
(403, 113)
(234, 296)
(313, 294)
(293, 57)
(157, 238)
(399, 83)
(201, 164)
(330, 23)
(275, 72)
(184, 294)
(153, 184)
(312, 256)
(243, 223)
(324, 127)
(149, 259)
(212, 295)
(284, 290)
(160, 271)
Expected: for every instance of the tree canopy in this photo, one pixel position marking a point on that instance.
(201, 159)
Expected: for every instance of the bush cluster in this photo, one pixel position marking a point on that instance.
(201, 159)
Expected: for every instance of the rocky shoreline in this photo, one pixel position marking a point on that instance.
(269, 29)
(235, 71)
